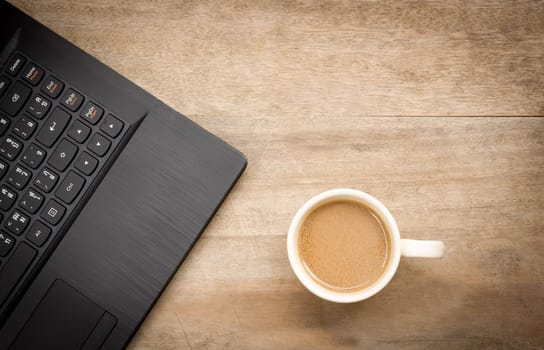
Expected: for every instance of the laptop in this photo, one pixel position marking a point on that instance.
(103, 191)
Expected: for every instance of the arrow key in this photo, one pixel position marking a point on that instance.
(111, 126)
(86, 163)
(79, 131)
(99, 144)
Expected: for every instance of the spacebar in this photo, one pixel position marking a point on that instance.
(14, 269)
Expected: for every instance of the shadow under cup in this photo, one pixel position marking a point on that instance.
(339, 263)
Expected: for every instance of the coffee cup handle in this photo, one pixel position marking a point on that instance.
(421, 249)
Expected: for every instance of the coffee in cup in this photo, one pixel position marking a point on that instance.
(344, 245)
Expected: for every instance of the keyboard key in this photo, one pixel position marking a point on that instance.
(19, 177)
(63, 155)
(86, 163)
(6, 243)
(99, 144)
(3, 169)
(70, 187)
(15, 98)
(46, 180)
(16, 64)
(14, 269)
(33, 156)
(10, 148)
(4, 83)
(38, 233)
(7, 198)
(24, 127)
(17, 222)
(53, 212)
(79, 131)
(52, 87)
(32, 74)
(31, 201)
(53, 127)
(4, 125)
(38, 106)
(111, 126)
(72, 100)
(92, 113)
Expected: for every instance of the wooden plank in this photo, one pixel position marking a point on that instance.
(336, 58)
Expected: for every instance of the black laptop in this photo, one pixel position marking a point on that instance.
(103, 192)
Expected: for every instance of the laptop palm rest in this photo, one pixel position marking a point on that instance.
(65, 319)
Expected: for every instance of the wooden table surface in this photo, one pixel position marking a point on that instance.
(325, 94)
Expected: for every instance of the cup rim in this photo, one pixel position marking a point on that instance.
(387, 220)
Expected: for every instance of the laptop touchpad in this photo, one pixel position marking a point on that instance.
(65, 319)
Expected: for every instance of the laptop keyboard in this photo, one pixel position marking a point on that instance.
(55, 143)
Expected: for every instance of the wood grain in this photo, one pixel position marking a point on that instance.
(316, 94)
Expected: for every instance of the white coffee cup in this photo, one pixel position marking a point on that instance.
(404, 247)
